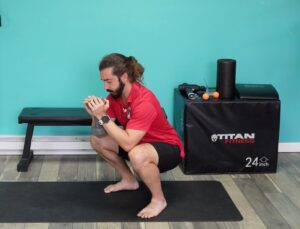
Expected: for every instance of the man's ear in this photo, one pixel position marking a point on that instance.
(124, 77)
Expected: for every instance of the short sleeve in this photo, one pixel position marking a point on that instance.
(142, 117)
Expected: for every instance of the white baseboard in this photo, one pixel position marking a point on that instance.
(72, 145)
(47, 145)
(289, 147)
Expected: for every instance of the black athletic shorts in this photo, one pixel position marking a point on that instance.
(168, 155)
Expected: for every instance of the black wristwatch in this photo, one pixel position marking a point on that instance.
(104, 119)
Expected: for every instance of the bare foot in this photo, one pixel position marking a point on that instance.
(122, 185)
(153, 209)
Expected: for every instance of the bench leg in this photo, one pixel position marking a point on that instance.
(27, 153)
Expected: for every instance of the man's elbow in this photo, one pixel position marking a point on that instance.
(128, 146)
(130, 141)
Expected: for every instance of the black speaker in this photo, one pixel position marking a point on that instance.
(226, 78)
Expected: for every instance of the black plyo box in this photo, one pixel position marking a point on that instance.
(230, 136)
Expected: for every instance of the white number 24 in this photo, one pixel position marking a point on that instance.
(251, 161)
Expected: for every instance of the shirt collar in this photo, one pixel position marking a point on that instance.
(133, 92)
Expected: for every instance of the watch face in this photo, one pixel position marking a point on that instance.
(104, 119)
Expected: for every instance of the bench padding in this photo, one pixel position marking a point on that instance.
(55, 116)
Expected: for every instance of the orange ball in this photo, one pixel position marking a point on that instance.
(216, 95)
(205, 96)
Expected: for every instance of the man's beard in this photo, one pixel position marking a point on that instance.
(118, 92)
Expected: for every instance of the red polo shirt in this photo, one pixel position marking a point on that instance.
(143, 112)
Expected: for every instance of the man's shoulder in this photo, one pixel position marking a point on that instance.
(143, 92)
(146, 102)
(146, 97)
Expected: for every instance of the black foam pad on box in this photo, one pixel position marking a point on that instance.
(226, 78)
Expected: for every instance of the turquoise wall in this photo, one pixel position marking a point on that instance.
(49, 50)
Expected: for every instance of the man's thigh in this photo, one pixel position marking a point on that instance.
(145, 150)
(165, 156)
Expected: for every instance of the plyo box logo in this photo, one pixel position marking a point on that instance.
(235, 138)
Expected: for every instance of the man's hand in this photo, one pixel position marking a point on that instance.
(98, 106)
(85, 104)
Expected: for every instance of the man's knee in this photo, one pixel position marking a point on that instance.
(96, 143)
(138, 158)
(103, 144)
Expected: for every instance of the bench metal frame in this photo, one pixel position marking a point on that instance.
(36, 116)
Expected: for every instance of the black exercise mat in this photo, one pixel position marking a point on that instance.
(86, 202)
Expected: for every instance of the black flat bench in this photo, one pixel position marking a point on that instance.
(48, 117)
